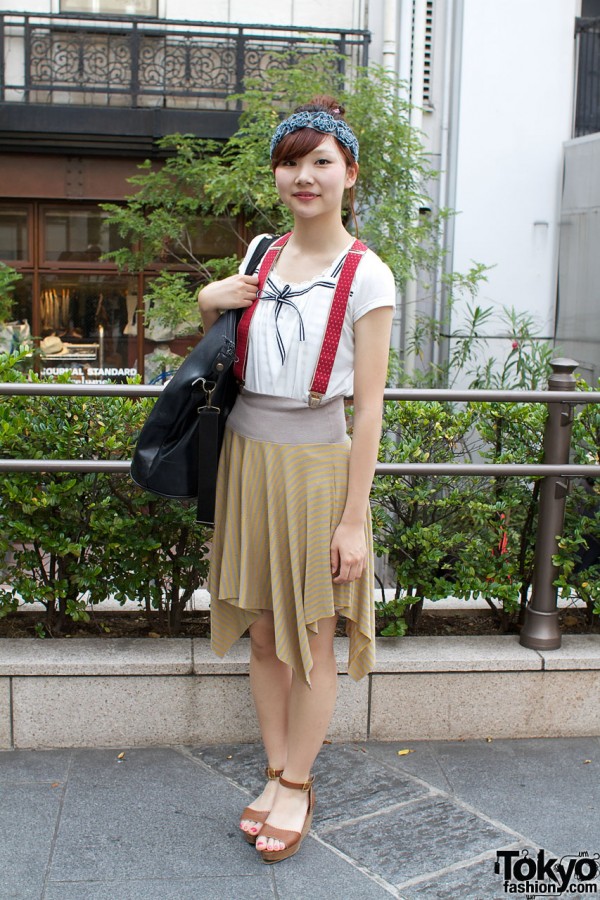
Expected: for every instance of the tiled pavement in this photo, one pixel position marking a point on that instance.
(161, 823)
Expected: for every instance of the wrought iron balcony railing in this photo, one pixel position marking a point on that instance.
(133, 62)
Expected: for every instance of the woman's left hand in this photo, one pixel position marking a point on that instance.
(348, 553)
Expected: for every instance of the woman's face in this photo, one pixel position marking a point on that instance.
(314, 184)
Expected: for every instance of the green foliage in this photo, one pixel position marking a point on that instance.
(423, 524)
(71, 540)
(204, 181)
(8, 280)
(171, 303)
(454, 535)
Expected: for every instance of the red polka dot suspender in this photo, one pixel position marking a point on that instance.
(335, 321)
(243, 329)
(333, 331)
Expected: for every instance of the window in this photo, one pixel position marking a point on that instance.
(111, 7)
(14, 243)
(590, 9)
(77, 235)
(85, 307)
(427, 87)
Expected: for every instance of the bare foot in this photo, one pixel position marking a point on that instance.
(288, 812)
(263, 803)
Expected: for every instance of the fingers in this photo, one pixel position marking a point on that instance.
(346, 565)
(349, 571)
(334, 557)
(348, 553)
(228, 293)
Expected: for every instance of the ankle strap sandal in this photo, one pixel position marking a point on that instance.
(302, 786)
(259, 815)
(291, 839)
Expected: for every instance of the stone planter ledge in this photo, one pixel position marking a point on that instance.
(118, 692)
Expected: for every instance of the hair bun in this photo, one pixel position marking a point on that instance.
(323, 103)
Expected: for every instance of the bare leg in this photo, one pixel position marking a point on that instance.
(310, 711)
(270, 680)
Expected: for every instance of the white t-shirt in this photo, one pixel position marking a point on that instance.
(289, 322)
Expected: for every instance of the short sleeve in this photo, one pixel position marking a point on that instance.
(373, 287)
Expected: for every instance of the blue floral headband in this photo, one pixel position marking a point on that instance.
(321, 121)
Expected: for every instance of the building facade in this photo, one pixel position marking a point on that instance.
(88, 88)
(90, 85)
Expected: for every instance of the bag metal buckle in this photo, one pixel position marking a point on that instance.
(208, 388)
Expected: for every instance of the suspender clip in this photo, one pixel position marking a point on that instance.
(314, 399)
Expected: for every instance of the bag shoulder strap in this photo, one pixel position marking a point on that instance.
(241, 346)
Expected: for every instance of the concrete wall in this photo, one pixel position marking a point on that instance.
(578, 318)
(514, 114)
(112, 692)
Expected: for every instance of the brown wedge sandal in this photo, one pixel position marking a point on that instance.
(291, 839)
(259, 815)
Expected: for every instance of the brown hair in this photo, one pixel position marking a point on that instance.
(299, 143)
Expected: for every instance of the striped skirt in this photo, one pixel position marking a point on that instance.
(281, 492)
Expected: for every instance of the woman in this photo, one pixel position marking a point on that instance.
(292, 547)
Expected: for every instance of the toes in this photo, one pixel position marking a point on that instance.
(270, 844)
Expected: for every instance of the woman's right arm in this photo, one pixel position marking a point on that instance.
(235, 292)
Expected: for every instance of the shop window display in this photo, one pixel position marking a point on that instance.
(89, 316)
(16, 331)
(78, 307)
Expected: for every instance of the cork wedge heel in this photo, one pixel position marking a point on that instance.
(291, 839)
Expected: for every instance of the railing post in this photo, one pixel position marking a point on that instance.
(3, 38)
(540, 629)
(135, 64)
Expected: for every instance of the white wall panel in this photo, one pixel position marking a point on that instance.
(33, 6)
(333, 14)
(262, 11)
(194, 11)
(306, 13)
(515, 114)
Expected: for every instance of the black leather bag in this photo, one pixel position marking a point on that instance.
(177, 452)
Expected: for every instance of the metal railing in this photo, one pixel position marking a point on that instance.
(137, 62)
(587, 101)
(540, 629)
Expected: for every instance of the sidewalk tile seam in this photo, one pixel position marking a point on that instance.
(184, 751)
(11, 715)
(452, 798)
(366, 872)
(415, 778)
(455, 867)
(328, 829)
(144, 880)
(472, 810)
(55, 834)
(432, 791)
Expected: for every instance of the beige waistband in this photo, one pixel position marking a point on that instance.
(282, 420)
